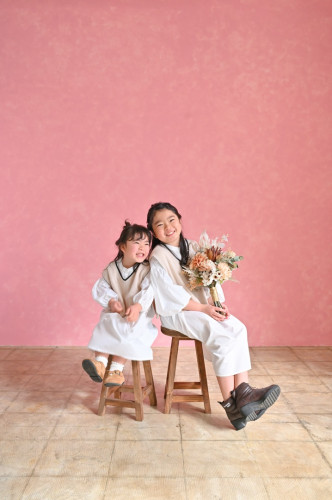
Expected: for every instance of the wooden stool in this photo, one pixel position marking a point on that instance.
(139, 392)
(171, 384)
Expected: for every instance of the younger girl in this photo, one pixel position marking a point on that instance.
(191, 312)
(125, 328)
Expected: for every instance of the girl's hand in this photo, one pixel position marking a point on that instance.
(132, 312)
(115, 306)
(214, 312)
(226, 311)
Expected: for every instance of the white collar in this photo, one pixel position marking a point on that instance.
(175, 250)
(125, 271)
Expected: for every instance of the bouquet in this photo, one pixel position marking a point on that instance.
(211, 264)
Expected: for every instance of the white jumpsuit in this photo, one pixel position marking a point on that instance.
(225, 343)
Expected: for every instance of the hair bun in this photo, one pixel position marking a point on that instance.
(127, 224)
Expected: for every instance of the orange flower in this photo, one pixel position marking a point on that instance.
(194, 283)
(199, 262)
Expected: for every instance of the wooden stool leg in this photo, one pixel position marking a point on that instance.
(117, 393)
(103, 396)
(103, 392)
(149, 381)
(171, 374)
(137, 390)
(169, 363)
(202, 376)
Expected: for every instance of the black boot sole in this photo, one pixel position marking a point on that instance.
(90, 369)
(255, 415)
(253, 411)
(239, 423)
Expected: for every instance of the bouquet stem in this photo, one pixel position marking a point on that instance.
(215, 298)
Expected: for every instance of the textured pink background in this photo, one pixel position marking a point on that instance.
(220, 107)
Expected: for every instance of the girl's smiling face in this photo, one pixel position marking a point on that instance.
(167, 227)
(135, 250)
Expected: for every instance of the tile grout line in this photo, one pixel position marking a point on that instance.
(305, 362)
(108, 477)
(322, 381)
(322, 454)
(184, 471)
(31, 476)
(186, 478)
(265, 487)
(50, 436)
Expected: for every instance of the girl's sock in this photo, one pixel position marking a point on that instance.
(102, 359)
(116, 366)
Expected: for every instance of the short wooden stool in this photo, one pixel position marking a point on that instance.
(139, 392)
(171, 384)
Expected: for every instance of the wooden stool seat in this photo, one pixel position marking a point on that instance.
(170, 381)
(111, 396)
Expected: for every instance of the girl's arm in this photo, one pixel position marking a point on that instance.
(208, 309)
(145, 296)
(142, 300)
(105, 296)
(169, 298)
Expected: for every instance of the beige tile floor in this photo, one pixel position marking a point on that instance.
(54, 446)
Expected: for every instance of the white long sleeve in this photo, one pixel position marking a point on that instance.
(169, 298)
(103, 293)
(145, 295)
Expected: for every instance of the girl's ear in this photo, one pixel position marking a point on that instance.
(122, 247)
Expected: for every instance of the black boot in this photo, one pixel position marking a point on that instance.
(252, 403)
(234, 415)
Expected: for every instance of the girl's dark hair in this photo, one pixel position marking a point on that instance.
(130, 232)
(184, 249)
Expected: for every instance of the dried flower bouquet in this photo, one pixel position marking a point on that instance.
(211, 264)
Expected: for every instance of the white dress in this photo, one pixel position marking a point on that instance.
(224, 343)
(114, 334)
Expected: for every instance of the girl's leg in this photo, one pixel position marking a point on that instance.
(115, 376)
(95, 368)
(102, 356)
(239, 378)
(228, 384)
(117, 363)
(119, 359)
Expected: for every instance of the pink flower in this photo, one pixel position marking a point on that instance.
(224, 270)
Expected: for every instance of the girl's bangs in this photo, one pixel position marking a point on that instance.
(140, 235)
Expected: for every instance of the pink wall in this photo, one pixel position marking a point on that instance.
(222, 108)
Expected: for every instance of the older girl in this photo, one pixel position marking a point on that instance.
(191, 312)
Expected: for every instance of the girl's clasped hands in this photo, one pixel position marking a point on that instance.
(132, 313)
